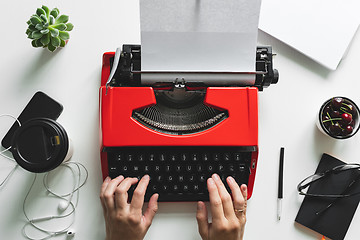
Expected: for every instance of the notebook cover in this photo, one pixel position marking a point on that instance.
(333, 222)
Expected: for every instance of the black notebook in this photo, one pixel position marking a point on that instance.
(334, 221)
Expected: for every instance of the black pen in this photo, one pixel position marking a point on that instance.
(280, 189)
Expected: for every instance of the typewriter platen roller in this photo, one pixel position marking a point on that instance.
(176, 131)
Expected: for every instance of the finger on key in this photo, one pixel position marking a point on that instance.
(237, 196)
(121, 193)
(108, 192)
(216, 207)
(137, 200)
(225, 197)
(235, 191)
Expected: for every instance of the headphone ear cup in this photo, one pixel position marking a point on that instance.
(63, 205)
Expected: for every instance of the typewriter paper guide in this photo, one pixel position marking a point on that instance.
(199, 36)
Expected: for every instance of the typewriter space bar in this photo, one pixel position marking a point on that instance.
(181, 197)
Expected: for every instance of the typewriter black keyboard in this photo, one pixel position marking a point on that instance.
(179, 173)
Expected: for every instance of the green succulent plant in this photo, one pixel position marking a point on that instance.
(48, 29)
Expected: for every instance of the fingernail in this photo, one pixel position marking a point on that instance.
(107, 179)
(146, 177)
(120, 176)
(216, 177)
(211, 181)
(231, 179)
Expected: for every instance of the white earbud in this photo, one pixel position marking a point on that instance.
(70, 233)
(63, 205)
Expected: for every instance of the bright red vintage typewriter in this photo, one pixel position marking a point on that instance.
(178, 132)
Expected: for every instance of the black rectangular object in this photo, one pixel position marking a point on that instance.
(180, 173)
(39, 106)
(335, 220)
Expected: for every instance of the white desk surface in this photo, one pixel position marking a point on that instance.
(72, 76)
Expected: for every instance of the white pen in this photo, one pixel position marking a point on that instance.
(279, 207)
(280, 189)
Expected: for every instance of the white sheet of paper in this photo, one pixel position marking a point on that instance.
(320, 29)
(199, 35)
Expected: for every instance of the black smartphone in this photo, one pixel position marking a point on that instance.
(39, 106)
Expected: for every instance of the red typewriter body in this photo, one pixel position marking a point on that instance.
(118, 127)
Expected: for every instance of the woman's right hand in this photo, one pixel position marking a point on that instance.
(228, 211)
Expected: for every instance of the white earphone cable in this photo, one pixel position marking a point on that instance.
(8, 149)
(76, 187)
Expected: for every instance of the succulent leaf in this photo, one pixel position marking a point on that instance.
(51, 20)
(29, 22)
(35, 20)
(55, 12)
(33, 28)
(30, 35)
(55, 41)
(64, 35)
(40, 12)
(62, 19)
(39, 26)
(33, 43)
(60, 26)
(43, 18)
(44, 31)
(45, 39)
(38, 43)
(51, 47)
(46, 9)
(62, 43)
(36, 35)
(54, 32)
(69, 26)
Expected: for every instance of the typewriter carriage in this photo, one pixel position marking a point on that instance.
(128, 71)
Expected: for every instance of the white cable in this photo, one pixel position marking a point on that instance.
(8, 149)
(76, 187)
(8, 176)
(32, 222)
(17, 120)
(9, 115)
